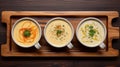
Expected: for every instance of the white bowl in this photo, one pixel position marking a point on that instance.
(36, 43)
(68, 43)
(99, 21)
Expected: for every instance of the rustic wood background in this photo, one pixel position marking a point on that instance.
(59, 5)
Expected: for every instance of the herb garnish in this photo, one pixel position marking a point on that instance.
(91, 27)
(91, 31)
(26, 33)
(59, 32)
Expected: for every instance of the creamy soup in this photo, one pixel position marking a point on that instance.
(58, 32)
(26, 33)
(91, 32)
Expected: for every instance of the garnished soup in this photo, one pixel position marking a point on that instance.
(58, 32)
(26, 32)
(91, 32)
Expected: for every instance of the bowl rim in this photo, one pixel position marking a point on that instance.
(92, 18)
(59, 18)
(18, 21)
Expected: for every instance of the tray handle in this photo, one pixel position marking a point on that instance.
(114, 32)
(116, 22)
(6, 19)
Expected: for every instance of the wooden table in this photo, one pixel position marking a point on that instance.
(60, 5)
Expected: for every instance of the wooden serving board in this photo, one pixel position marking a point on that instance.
(11, 49)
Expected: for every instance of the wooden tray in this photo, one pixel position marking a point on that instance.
(11, 49)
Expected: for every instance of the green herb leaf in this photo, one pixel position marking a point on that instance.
(92, 32)
(26, 33)
(58, 32)
(91, 27)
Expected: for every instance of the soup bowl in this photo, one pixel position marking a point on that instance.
(26, 32)
(91, 32)
(59, 32)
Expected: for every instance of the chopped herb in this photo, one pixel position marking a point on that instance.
(64, 35)
(26, 33)
(97, 32)
(63, 25)
(91, 27)
(61, 38)
(91, 41)
(92, 32)
(58, 32)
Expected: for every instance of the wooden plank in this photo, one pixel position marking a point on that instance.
(10, 48)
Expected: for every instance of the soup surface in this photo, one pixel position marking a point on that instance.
(26, 33)
(91, 32)
(58, 32)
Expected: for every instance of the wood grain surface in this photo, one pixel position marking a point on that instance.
(59, 5)
(11, 49)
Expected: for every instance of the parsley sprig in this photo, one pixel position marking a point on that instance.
(91, 31)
